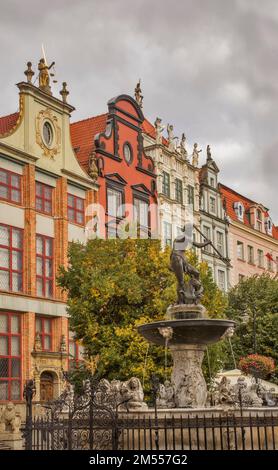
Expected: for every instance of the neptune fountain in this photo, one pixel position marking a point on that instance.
(187, 331)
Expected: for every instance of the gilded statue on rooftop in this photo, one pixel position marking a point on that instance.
(44, 79)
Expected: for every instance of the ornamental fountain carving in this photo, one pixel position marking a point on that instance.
(187, 331)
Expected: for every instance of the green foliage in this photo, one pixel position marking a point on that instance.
(114, 286)
(256, 298)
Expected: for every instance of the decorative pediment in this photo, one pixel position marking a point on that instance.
(212, 165)
(141, 188)
(116, 178)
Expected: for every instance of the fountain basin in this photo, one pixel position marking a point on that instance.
(197, 331)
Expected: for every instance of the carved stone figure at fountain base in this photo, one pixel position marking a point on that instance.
(187, 376)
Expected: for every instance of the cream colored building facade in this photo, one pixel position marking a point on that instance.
(177, 186)
(43, 196)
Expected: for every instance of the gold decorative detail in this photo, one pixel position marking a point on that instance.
(44, 80)
(52, 150)
(19, 119)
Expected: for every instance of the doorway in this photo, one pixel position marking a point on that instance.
(46, 386)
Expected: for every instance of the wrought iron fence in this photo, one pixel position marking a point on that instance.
(96, 420)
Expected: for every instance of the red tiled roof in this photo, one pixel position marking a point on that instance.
(8, 122)
(82, 136)
(231, 197)
(83, 132)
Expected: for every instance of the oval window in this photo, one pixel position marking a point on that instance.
(47, 134)
(127, 153)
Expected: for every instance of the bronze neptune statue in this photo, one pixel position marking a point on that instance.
(187, 292)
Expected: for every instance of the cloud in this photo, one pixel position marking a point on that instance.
(208, 67)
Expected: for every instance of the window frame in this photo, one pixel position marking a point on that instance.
(10, 356)
(12, 249)
(179, 190)
(166, 183)
(44, 199)
(260, 254)
(75, 209)
(207, 233)
(222, 272)
(165, 239)
(250, 254)
(191, 195)
(45, 257)
(220, 243)
(11, 188)
(212, 207)
(145, 200)
(239, 243)
(42, 333)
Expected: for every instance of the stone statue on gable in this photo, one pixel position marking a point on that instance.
(171, 138)
(182, 147)
(138, 94)
(195, 155)
(159, 128)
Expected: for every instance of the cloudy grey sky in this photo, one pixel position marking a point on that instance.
(209, 67)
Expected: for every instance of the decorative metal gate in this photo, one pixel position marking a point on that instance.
(75, 421)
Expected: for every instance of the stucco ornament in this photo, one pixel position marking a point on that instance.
(54, 147)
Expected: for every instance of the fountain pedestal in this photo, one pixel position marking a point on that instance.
(187, 376)
(187, 334)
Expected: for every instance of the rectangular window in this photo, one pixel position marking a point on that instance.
(250, 254)
(269, 264)
(10, 186)
(240, 251)
(221, 279)
(220, 242)
(167, 233)
(260, 258)
(44, 265)
(10, 356)
(11, 258)
(44, 329)
(212, 182)
(75, 209)
(207, 234)
(190, 195)
(76, 351)
(141, 212)
(44, 198)
(166, 184)
(115, 203)
(212, 205)
(259, 220)
(178, 186)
